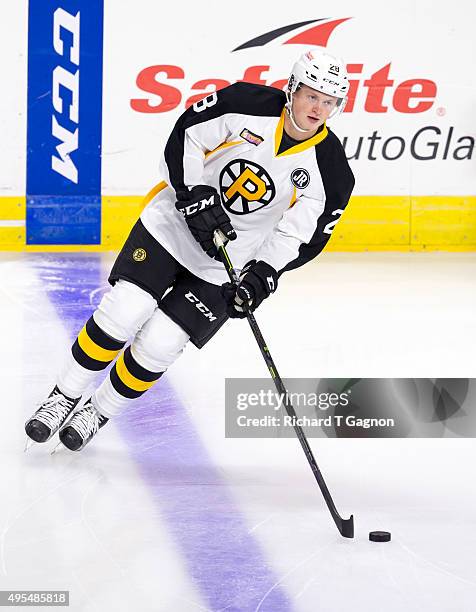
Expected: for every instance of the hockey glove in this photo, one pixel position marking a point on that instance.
(257, 281)
(203, 214)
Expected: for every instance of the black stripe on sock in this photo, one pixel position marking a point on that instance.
(137, 370)
(85, 360)
(100, 337)
(121, 388)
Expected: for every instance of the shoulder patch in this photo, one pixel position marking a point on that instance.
(300, 178)
(250, 137)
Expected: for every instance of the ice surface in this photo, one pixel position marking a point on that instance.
(162, 513)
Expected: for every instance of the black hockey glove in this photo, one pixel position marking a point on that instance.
(257, 281)
(203, 214)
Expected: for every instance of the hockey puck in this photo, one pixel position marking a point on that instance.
(380, 536)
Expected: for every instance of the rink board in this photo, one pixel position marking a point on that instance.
(407, 129)
(370, 223)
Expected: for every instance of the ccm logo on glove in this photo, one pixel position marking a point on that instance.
(204, 214)
(196, 207)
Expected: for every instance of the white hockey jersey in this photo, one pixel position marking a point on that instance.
(283, 206)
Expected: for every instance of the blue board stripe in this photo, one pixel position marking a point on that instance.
(64, 125)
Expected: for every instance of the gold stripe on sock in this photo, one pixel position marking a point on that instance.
(92, 349)
(128, 379)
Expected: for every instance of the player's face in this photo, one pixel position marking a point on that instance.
(311, 108)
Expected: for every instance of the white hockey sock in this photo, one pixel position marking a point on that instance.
(73, 379)
(154, 349)
(108, 401)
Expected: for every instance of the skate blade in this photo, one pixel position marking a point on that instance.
(58, 448)
(28, 445)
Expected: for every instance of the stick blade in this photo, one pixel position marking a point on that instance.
(346, 527)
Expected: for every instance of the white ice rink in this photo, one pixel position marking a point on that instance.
(162, 513)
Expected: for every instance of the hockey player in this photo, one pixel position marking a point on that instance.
(256, 163)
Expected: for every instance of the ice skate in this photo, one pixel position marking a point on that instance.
(49, 417)
(81, 428)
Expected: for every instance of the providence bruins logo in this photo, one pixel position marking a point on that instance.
(245, 187)
(300, 178)
(139, 255)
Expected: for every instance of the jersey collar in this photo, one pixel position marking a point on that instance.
(302, 146)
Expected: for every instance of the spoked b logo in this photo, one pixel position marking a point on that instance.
(245, 187)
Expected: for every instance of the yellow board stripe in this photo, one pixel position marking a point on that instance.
(370, 223)
(407, 223)
(12, 223)
(12, 208)
(92, 349)
(13, 238)
(128, 379)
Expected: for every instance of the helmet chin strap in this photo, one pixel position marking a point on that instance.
(289, 106)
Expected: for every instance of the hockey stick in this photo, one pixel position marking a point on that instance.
(345, 526)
